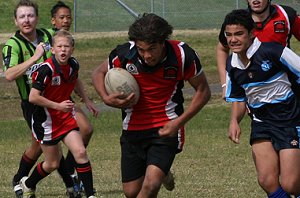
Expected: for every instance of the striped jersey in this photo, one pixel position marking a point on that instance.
(56, 83)
(282, 23)
(17, 50)
(264, 83)
(161, 98)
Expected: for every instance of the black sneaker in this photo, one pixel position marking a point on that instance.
(169, 181)
(17, 189)
(77, 184)
(72, 194)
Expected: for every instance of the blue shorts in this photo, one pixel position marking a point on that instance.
(142, 148)
(281, 137)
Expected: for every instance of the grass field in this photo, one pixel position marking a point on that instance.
(210, 165)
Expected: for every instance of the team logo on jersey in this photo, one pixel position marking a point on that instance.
(56, 80)
(131, 68)
(250, 74)
(266, 65)
(294, 143)
(279, 26)
(170, 72)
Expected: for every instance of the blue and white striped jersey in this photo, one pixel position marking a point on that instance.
(264, 84)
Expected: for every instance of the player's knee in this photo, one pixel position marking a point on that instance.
(290, 186)
(51, 165)
(80, 155)
(151, 188)
(268, 182)
(130, 193)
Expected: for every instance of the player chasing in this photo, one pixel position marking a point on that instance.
(273, 22)
(257, 76)
(153, 129)
(61, 18)
(53, 117)
(25, 48)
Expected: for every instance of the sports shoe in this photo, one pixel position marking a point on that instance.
(27, 192)
(72, 194)
(17, 189)
(92, 196)
(78, 186)
(169, 181)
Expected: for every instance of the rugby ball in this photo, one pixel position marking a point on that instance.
(118, 80)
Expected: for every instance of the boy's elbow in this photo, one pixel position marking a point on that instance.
(8, 77)
(31, 98)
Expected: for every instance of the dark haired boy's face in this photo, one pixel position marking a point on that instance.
(152, 53)
(238, 38)
(62, 19)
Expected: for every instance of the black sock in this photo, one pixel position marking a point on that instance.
(25, 166)
(70, 163)
(37, 175)
(85, 174)
(62, 170)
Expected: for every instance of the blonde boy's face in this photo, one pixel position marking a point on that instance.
(62, 49)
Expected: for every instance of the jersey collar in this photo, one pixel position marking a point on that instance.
(237, 63)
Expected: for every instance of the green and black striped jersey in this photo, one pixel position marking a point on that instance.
(17, 50)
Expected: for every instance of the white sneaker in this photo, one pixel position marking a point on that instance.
(92, 196)
(27, 192)
(169, 181)
(17, 189)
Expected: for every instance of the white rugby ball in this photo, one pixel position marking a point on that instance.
(118, 80)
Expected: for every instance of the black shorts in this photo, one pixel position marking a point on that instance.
(142, 148)
(281, 137)
(27, 109)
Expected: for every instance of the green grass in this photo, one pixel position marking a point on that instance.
(209, 166)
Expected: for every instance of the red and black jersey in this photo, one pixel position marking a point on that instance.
(161, 98)
(282, 23)
(56, 83)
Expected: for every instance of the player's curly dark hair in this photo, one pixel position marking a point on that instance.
(236, 17)
(150, 28)
(27, 3)
(239, 17)
(57, 6)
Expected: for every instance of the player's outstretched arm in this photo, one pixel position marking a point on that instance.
(200, 98)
